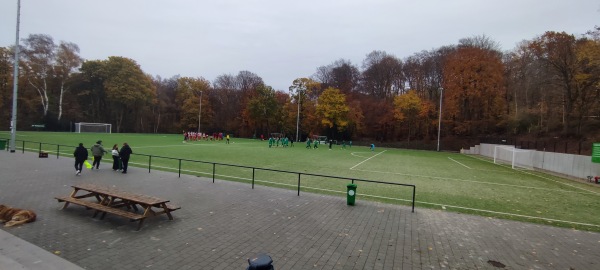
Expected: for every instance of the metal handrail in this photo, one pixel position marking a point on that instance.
(300, 174)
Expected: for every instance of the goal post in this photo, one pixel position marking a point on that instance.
(517, 158)
(321, 139)
(93, 127)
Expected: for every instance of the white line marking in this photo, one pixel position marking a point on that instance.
(382, 197)
(539, 176)
(472, 181)
(459, 163)
(368, 159)
(355, 154)
(396, 199)
(488, 211)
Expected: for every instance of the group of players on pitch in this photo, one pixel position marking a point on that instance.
(315, 143)
(274, 141)
(197, 136)
(285, 142)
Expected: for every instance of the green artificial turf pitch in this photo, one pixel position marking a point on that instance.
(444, 181)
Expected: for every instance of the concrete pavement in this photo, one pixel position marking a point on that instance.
(222, 224)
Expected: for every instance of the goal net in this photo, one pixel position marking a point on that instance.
(93, 127)
(517, 158)
(320, 139)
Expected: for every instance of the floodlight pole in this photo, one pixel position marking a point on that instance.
(200, 112)
(298, 119)
(13, 121)
(440, 118)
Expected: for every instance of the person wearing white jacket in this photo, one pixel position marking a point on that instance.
(116, 159)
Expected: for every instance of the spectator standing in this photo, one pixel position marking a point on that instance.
(116, 158)
(81, 155)
(97, 151)
(124, 154)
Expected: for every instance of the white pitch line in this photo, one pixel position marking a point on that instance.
(510, 214)
(396, 199)
(354, 154)
(472, 181)
(539, 176)
(175, 145)
(460, 163)
(368, 159)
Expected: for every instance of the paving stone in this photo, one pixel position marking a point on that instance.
(222, 224)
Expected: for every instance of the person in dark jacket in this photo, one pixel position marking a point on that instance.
(116, 159)
(97, 151)
(81, 155)
(124, 154)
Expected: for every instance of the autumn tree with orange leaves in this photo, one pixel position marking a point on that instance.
(573, 65)
(474, 91)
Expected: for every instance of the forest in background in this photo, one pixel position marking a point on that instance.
(546, 87)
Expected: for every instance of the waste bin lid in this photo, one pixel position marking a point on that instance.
(351, 185)
(260, 262)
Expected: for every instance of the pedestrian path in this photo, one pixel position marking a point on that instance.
(222, 224)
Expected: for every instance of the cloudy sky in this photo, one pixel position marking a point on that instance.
(280, 40)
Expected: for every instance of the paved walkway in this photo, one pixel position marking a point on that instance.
(222, 224)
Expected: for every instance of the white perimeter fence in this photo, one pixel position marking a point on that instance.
(567, 164)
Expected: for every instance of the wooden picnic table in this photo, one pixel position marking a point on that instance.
(118, 202)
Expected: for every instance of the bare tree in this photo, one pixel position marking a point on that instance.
(67, 61)
(482, 42)
(382, 75)
(38, 62)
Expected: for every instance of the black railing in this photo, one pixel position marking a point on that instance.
(254, 169)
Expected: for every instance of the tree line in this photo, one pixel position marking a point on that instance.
(546, 86)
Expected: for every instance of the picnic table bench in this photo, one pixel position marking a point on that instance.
(111, 200)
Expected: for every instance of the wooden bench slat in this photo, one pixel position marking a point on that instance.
(172, 207)
(134, 197)
(102, 208)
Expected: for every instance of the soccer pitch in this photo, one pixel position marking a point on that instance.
(444, 181)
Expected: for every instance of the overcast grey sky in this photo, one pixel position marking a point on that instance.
(280, 40)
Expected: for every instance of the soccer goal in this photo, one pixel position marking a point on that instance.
(517, 158)
(93, 127)
(320, 139)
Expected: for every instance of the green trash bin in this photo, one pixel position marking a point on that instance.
(2, 144)
(351, 194)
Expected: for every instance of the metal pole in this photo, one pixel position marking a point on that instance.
(298, 119)
(440, 118)
(13, 121)
(413, 201)
(298, 184)
(200, 113)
